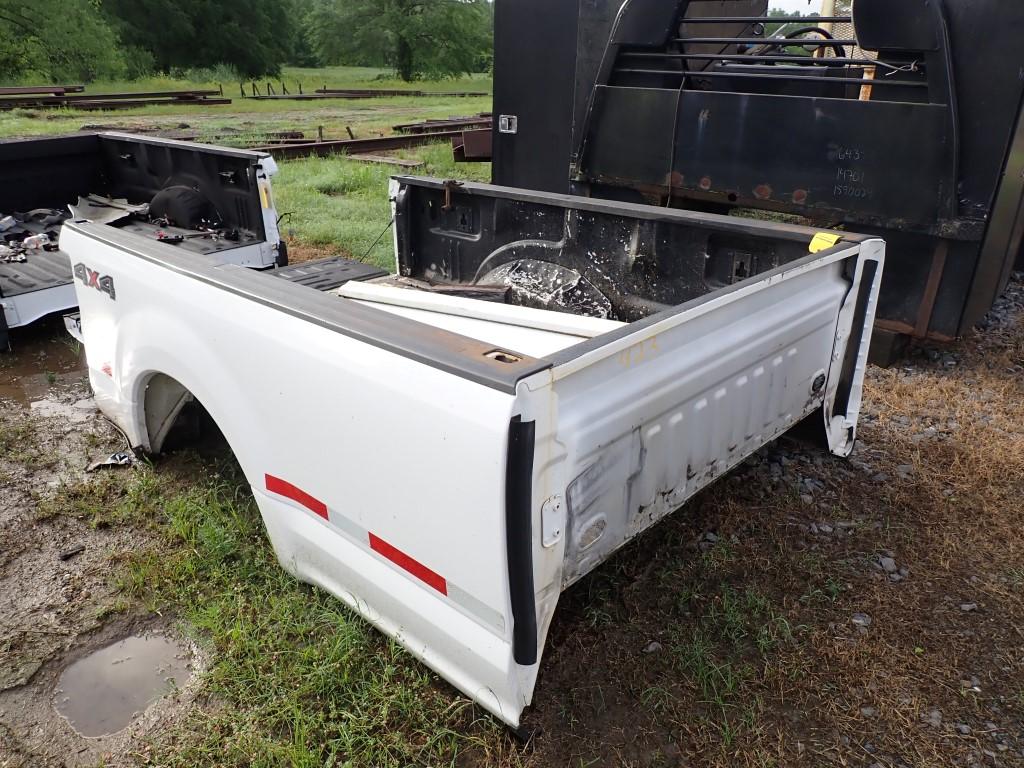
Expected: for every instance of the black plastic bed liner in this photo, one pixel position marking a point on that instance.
(328, 274)
(44, 269)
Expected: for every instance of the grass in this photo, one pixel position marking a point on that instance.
(757, 662)
(340, 204)
(366, 117)
(20, 445)
(292, 77)
(758, 665)
(295, 678)
(328, 206)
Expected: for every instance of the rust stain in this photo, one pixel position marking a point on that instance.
(800, 196)
(705, 183)
(762, 192)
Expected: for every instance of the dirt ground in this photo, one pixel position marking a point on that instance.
(814, 611)
(58, 602)
(805, 611)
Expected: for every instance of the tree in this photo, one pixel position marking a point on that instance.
(777, 13)
(301, 52)
(253, 36)
(438, 38)
(57, 40)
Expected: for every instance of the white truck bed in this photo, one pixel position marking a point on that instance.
(448, 466)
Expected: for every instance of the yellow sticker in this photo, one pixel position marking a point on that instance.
(823, 241)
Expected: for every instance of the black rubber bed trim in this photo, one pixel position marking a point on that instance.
(519, 539)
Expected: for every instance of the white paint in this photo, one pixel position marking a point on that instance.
(523, 330)
(417, 455)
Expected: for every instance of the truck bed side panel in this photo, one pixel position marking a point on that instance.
(348, 448)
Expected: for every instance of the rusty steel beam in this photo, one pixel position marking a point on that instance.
(307, 97)
(113, 99)
(40, 90)
(355, 146)
(121, 104)
(368, 92)
(474, 146)
(143, 95)
(433, 126)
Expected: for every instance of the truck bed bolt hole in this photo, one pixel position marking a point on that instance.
(503, 357)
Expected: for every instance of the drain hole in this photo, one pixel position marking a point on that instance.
(503, 357)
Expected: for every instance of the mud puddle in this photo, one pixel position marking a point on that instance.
(104, 692)
(43, 357)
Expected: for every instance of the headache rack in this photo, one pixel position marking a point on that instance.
(900, 120)
(805, 56)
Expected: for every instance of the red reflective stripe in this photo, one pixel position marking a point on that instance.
(417, 569)
(286, 489)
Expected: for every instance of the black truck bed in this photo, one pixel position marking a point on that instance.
(44, 269)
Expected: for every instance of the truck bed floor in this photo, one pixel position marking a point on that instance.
(44, 269)
(328, 274)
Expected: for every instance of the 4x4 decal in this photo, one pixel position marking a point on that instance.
(102, 283)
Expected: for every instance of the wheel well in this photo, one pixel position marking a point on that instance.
(174, 418)
(163, 402)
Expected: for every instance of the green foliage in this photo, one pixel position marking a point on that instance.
(342, 205)
(297, 679)
(57, 41)
(86, 40)
(301, 51)
(772, 27)
(250, 35)
(419, 38)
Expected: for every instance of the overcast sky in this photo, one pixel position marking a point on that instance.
(797, 5)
